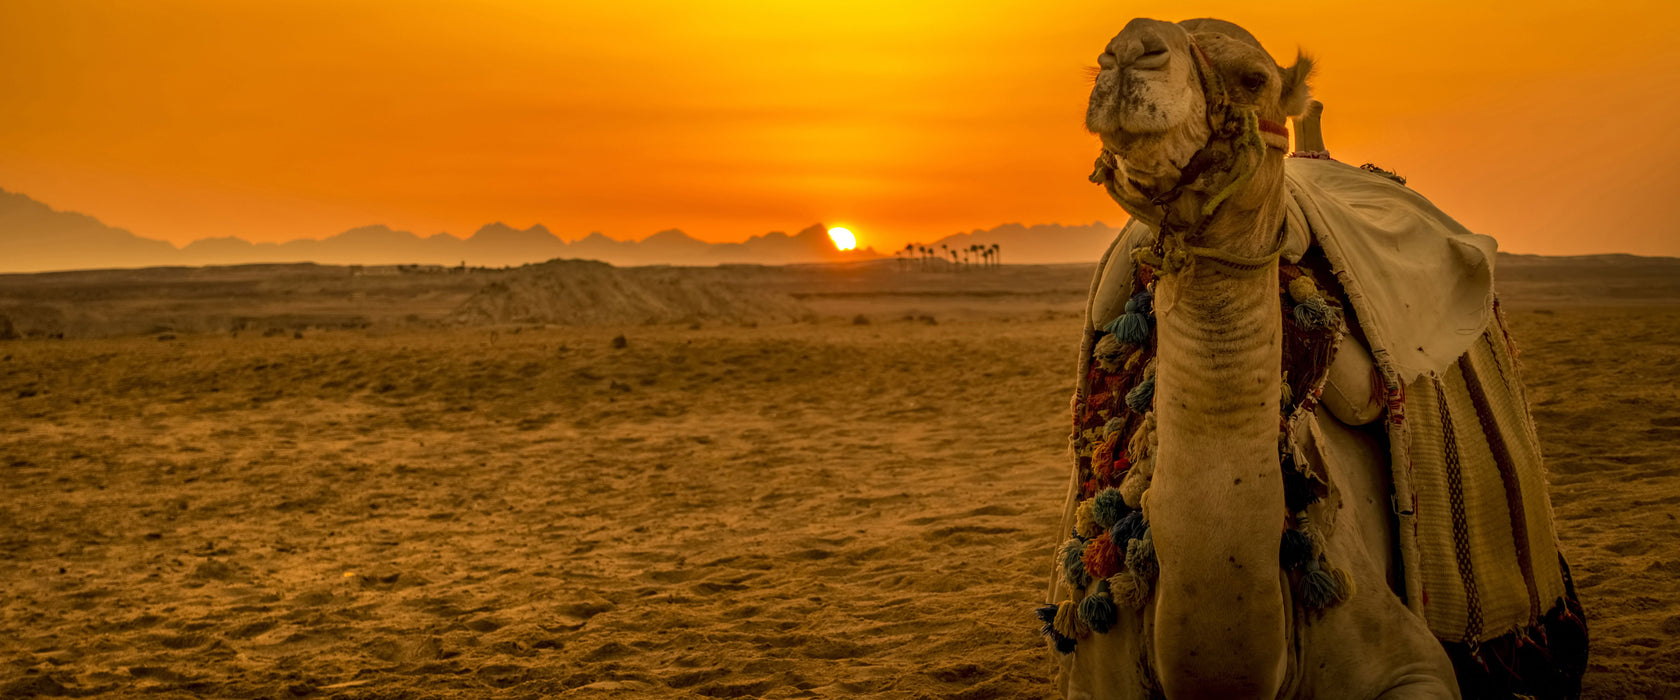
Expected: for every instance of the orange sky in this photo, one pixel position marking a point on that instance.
(1553, 128)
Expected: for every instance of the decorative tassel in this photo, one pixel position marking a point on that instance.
(1143, 504)
(1142, 439)
(1345, 581)
(1132, 327)
(1129, 589)
(1047, 615)
(1315, 314)
(1303, 288)
(1129, 528)
(1142, 396)
(1084, 525)
(1072, 558)
(1295, 550)
(1101, 559)
(1136, 483)
(1141, 303)
(1107, 508)
(1109, 353)
(1140, 557)
(1067, 622)
(1113, 426)
(1304, 523)
(1323, 588)
(1097, 611)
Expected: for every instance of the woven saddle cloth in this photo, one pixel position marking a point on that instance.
(1477, 546)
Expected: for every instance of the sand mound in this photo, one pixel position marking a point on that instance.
(586, 292)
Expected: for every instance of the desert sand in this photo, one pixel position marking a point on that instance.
(855, 502)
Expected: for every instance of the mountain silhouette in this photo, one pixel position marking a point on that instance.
(35, 238)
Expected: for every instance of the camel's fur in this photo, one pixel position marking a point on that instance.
(1222, 622)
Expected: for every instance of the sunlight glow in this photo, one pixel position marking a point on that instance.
(843, 239)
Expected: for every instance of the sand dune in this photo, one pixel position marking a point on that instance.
(816, 509)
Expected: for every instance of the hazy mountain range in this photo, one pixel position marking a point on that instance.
(34, 237)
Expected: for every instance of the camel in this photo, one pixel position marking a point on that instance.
(1202, 563)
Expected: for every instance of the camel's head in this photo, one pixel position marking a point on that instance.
(1183, 110)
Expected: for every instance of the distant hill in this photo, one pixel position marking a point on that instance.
(36, 238)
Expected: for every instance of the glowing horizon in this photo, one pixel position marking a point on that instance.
(192, 119)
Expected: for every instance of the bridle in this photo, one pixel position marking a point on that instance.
(1228, 123)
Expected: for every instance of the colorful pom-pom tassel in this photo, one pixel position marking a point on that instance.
(1084, 525)
(1098, 611)
(1315, 313)
(1072, 559)
(1114, 425)
(1323, 588)
(1047, 615)
(1101, 558)
(1129, 589)
(1142, 396)
(1131, 329)
(1303, 288)
(1067, 622)
(1136, 483)
(1143, 439)
(1129, 528)
(1108, 507)
(1140, 557)
(1295, 550)
(1109, 353)
(1142, 303)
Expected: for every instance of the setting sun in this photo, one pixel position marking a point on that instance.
(843, 239)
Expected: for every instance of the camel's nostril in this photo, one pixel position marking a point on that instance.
(1152, 43)
(1151, 60)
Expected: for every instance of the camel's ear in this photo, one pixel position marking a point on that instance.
(1295, 90)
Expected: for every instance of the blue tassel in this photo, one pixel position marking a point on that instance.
(1295, 550)
(1107, 508)
(1073, 564)
(1047, 615)
(1098, 610)
(1314, 313)
(1141, 303)
(1142, 396)
(1129, 528)
(1140, 557)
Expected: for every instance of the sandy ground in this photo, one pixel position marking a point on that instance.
(794, 510)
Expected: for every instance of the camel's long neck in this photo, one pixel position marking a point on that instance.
(1216, 499)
